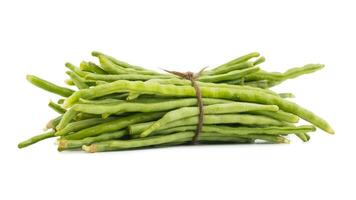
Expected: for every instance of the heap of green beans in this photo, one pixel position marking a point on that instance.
(120, 106)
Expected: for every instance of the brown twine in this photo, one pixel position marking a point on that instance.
(192, 78)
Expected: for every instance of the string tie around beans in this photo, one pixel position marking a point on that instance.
(192, 77)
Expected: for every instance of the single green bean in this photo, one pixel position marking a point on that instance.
(259, 61)
(56, 107)
(75, 69)
(136, 143)
(237, 66)
(211, 109)
(232, 75)
(239, 130)
(118, 62)
(35, 139)
(115, 77)
(289, 74)
(53, 123)
(48, 86)
(279, 115)
(67, 117)
(164, 105)
(237, 60)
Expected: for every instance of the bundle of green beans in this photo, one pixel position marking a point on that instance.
(119, 106)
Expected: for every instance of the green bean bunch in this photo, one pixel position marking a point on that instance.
(114, 105)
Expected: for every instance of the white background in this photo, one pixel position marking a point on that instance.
(37, 37)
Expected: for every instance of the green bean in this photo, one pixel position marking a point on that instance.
(110, 67)
(101, 101)
(72, 144)
(135, 143)
(82, 124)
(77, 80)
(211, 109)
(53, 123)
(289, 74)
(245, 119)
(113, 125)
(115, 77)
(112, 145)
(232, 75)
(75, 69)
(118, 62)
(239, 130)
(188, 91)
(48, 86)
(237, 66)
(279, 115)
(176, 81)
(56, 107)
(237, 60)
(164, 105)
(35, 139)
(259, 61)
(67, 117)
(91, 67)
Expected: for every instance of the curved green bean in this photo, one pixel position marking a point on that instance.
(237, 60)
(232, 75)
(240, 130)
(279, 115)
(115, 77)
(68, 116)
(164, 105)
(35, 139)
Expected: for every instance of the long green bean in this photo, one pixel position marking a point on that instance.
(169, 104)
(48, 86)
(211, 109)
(36, 139)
